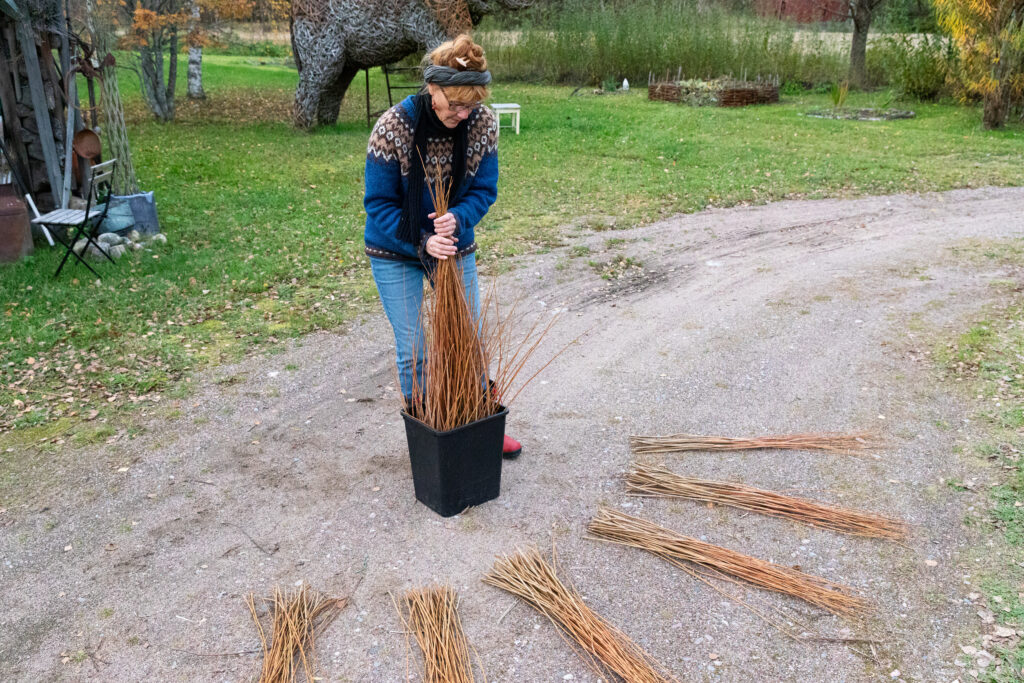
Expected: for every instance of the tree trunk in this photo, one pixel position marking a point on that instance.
(997, 106)
(862, 12)
(172, 75)
(195, 57)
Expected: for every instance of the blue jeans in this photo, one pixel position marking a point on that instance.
(400, 285)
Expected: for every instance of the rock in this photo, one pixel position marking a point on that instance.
(1003, 632)
(134, 236)
(137, 246)
(80, 246)
(109, 239)
(76, 203)
(159, 237)
(116, 251)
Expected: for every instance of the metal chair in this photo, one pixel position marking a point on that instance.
(86, 221)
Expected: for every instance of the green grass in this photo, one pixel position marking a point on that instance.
(265, 222)
(989, 359)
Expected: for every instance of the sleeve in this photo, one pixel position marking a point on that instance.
(483, 188)
(383, 198)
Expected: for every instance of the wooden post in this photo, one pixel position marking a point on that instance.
(41, 111)
(65, 196)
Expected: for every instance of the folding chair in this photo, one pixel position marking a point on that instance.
(86, 221)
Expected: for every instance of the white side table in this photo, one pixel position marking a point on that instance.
(508, 108)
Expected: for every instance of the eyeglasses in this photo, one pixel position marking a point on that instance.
(460, 107)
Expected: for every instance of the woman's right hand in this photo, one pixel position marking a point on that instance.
(440, 247)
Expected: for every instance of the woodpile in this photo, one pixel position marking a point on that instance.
(32, 96)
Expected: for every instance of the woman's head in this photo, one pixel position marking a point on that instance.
(453, 103)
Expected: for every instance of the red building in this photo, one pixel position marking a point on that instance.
(803, 11)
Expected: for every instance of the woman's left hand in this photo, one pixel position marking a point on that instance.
(445, 225)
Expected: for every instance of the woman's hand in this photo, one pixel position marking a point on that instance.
(445, 225)
(440, 247)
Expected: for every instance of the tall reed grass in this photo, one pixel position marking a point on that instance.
(593, 43)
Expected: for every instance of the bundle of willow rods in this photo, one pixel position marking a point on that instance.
(456, 391)
(840, 443)
(433, 618)
(460, 385)
(651, 480)
(617, 527)
(295, 618)
(608, 650)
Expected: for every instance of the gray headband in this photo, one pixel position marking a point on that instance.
(445, 76)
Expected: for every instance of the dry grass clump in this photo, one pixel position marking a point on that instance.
(295, 618)
(430, 614)
(840, 443)
(617, 527)
(608, 650)
(651, 480)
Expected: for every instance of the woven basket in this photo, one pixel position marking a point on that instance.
(743, 94)
(665, 92)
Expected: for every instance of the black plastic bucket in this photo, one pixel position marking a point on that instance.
(456, 469)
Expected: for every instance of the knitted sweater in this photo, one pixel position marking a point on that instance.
(388, 158)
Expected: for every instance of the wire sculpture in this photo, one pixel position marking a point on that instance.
(333, 40)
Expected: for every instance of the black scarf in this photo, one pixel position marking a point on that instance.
(426, 124)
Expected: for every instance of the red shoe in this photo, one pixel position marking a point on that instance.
(511, 448)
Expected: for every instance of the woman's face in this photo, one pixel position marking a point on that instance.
(450, 113)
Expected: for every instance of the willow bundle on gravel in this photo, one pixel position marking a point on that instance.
(608, 650)
(431, 614)
(295, 619)
(840, 443)
(458, 384)
(617, 527)
(651, 480)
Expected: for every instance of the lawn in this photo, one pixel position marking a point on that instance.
(264, 222)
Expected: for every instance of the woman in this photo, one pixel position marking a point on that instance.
(446, 125)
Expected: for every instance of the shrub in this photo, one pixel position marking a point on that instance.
(917, 67)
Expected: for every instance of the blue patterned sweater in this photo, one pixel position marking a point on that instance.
(388, 156)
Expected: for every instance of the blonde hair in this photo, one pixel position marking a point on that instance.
(463, 54)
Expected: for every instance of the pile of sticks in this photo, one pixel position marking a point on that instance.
(617, 527)
(651, 480)
(431, 615)
(840, 443)
(607, 649)
(295, 619)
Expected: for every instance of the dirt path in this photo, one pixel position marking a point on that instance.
(127, 562)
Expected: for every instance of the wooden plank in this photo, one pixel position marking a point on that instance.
(42, 113)
(9, 37)
(51, 71)
(68, 137)
(10, 9)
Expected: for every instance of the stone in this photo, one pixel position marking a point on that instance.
(160, 237)
(116, 251)
(134, 236)
(80, 246)
(109, 239)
